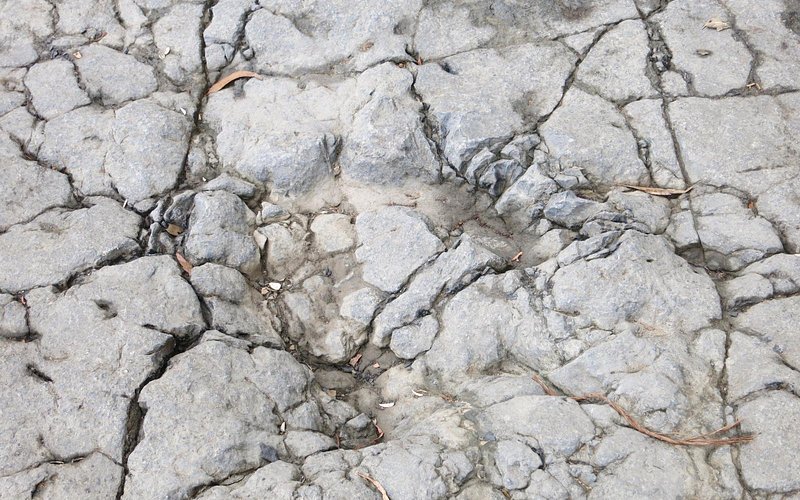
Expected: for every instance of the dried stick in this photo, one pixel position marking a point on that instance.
(378, 486)
(702, 440)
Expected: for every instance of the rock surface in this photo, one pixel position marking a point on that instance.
(457, 249)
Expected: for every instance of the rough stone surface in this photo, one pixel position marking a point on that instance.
(448, 249)
(617, 64)
(220, 231)
(399, 233)
(129, 80)
(60, 243)
(591, 132)
(54, 88)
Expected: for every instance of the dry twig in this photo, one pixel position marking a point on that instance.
(701, 440)
(378, 486)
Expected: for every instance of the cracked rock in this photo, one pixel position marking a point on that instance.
(129, 79)
(54, 88)
(731, 235)
(220, 229)
(715, 60)
(472, 109)
(398, 232)
(27, 190)
(212, 415)
(592, 133)
(646, 282)
(60, 243)
(616, 65)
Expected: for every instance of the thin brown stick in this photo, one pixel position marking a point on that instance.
(378, 486)
(702, 440)
(546, 388)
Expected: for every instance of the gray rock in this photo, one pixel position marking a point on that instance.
(472, 109)
(446, 29)
(314, 321)
(59, 244)
(592, 133)
(768, 461)
(633, 455)
(13, 318)
(452, 271)
(176, 36)
(382, 463)
(333, 233)
(682, 232)
(77, 401)
(54, 88)
(410, 341)
(360, 305)
(212, 415)
(557, 426)
(568, 210)
(489, 321)
(234, 305)
(114, 77)
(78, 142)
(773, 321)
(214, 280)
(727, 158)
(731, 235)
(94, 477)
(516, 462)
(770, 32)
(231, 184)
(652, 211)
(304, 443)
(617, 63)
(647, 121)
(268, 136)
(387, 143)
(651, 284)
(227, 21)
(782, 270)
(220, 232)
(150, 144)
(716, 60)
(393, 243)
(781, 206)
(271, 213)
(27, 190)
(277, 480)
(525, 199)
(745, 290)
(366, 35)
(499, 175)
(147, 291)
(753, 366)
(594, 247)
(285, 248)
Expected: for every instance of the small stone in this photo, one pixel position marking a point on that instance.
(220, 231)
(333, 233)
(361, 305)
(515, 462)
(745, 290)
(568, 210)
(410, 341)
